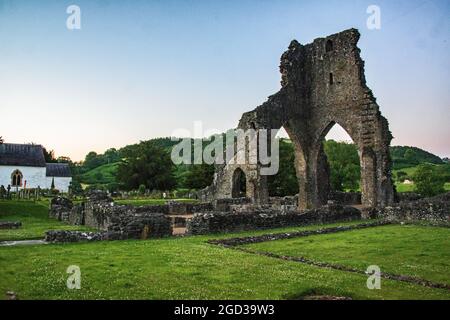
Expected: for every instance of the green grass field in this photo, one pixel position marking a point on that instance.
(190, 268)
(418, 251)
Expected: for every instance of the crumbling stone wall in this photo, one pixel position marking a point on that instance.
(76, 215)
(134, 222)
(222, 222)
(60, 208)
(435, 210)
(345, 198)
(113, 221)
(323, 83)
(407, 196)
(10, 224)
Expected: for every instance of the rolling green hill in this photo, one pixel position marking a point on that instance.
(103, 174)
(406, 157)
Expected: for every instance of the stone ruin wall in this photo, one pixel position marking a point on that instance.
(323, 83)
(116, 222)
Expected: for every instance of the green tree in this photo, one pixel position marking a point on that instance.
(141, 189)
(343, 159)
(111, 156)
(149, 165)
(98, 176)
(285, 182)
(49, 156)
(410, 156)
(75, 187)
(428, 180)
(64, 159)
(92, 160)
(402, 176)
(199, 176)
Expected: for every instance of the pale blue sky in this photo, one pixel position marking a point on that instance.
(141, 69)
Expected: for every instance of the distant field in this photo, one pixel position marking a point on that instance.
(409, 171)
(402, 187)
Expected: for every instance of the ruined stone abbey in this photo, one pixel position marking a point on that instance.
(323, 83)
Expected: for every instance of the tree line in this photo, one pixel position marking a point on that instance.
(147, 165)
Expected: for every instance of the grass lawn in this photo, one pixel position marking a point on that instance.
(182, 268)
(419, 251)
(34, 218)
(146, 202)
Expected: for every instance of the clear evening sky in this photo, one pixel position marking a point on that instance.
(141, 69)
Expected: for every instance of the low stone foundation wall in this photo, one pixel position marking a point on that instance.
(228, 215)
(135, 222)
(10, 224)
(119, 225)
(266, 208)
(434, 210)
(76, 215)
(408, 196)
(284, 201)
(60, 208)
(64, 236)
(345, 198)
(224, 205)
(113, 221)
(222, 222)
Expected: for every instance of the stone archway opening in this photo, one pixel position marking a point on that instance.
(343, 163)
(343, 160)
(322, 81)
(285, 182)
(239, 184)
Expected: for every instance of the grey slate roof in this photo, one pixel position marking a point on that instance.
(28, 155)
(58, 170)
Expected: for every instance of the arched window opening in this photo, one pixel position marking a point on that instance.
(285, 182)
(16, 179)
(239, 189)
(329, 46)
(343, 160)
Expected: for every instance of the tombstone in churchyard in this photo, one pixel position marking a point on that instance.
(8, 193)
(2, 192)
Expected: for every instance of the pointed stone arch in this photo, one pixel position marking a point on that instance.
(307, 106)
(16, 178)
(239, 184)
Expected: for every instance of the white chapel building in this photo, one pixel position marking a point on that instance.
(23, 166)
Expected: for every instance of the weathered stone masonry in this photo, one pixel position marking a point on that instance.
(116, 222)
(323, 83)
